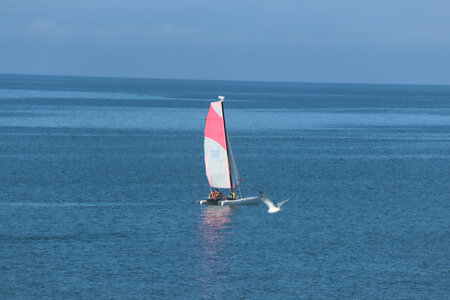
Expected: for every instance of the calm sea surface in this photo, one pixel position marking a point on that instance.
(99, 179)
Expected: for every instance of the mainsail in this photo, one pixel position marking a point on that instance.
(221, 170)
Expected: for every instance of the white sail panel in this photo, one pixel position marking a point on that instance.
(216, 163)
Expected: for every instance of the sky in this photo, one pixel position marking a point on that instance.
(355, 41)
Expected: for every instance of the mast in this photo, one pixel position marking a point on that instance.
(222, 99)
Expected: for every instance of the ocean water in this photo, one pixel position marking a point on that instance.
(99, 179)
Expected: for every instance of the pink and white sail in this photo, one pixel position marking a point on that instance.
(217, 160)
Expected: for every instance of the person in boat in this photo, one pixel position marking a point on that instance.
(211, 194)
(218, 195)
(231, 196)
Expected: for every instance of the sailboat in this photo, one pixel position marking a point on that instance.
(221, 168)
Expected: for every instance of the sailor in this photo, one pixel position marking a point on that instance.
(218, 194)
(232, 195)
(211, 195)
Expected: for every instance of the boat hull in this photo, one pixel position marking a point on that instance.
(240, 201)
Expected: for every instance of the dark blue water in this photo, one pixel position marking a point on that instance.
(100, 177)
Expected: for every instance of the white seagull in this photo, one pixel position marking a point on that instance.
(269, 203)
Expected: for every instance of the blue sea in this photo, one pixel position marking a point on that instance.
(100, 177)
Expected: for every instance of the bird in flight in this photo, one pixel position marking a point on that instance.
(272, 208)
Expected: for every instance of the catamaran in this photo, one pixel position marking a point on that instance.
(221, 168)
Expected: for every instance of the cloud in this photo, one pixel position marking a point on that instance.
(45, 28)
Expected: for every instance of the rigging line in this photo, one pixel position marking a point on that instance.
(252, 190)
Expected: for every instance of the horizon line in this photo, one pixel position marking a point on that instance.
(228, 80)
